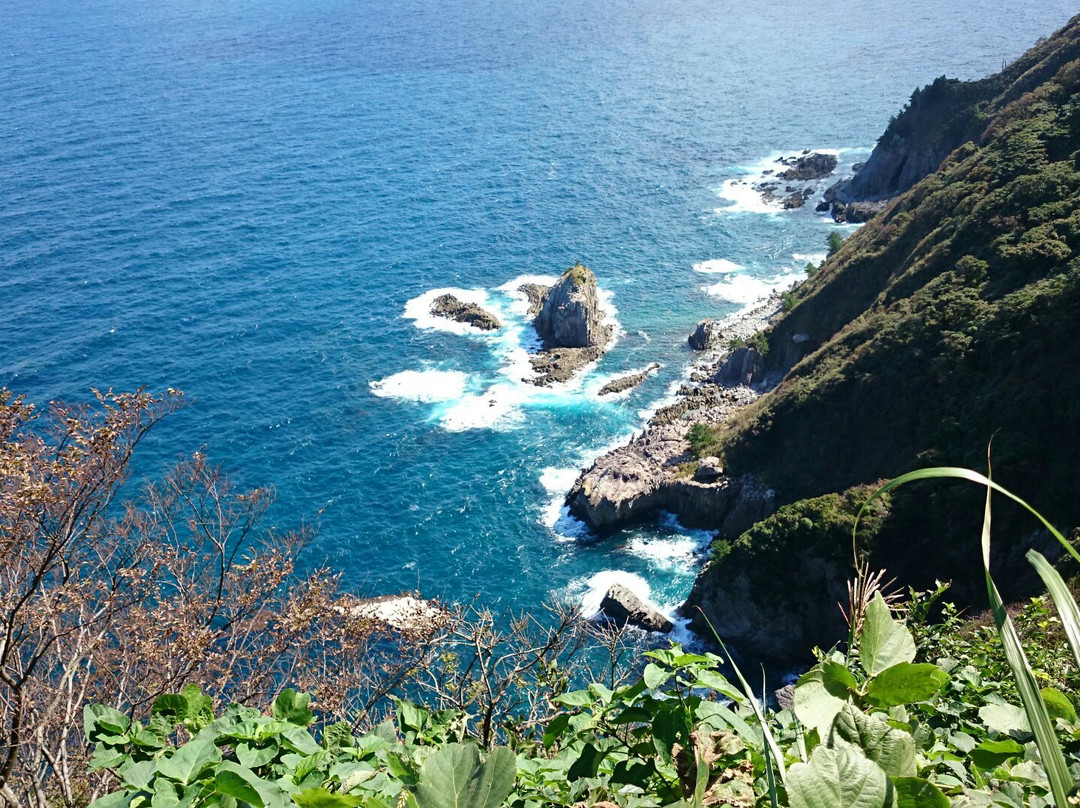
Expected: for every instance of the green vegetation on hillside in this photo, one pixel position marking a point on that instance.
(950, 319)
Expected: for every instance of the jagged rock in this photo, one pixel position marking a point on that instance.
(740, 367)
(406, 612)
(623, 606)
(571, 315)
(785, 697)
(469, 313)
(752, 504)
(855, 212)
(626, 382)
(709, 470)
(704, 336)
(618, 488)
(536, 294)
(795, 200)
(813, 166)
(571, 326)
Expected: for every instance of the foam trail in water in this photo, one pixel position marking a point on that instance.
(428, 386)
(803, 258)
(717, 266)
(748, 291)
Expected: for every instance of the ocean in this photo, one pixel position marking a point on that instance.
(255, 201)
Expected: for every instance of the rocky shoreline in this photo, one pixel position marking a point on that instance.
(655, 471)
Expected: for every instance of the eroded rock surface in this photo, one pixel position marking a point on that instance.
(469, 313)
(627, 382)
(623, 606)
(570, 324)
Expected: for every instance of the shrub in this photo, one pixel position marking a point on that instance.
(700, 436)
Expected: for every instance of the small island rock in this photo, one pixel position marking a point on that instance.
(623, 606)
(469, 313)
(626, 382)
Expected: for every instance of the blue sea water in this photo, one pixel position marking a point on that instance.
(252, 200)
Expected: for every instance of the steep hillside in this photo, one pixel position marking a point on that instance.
(950, 319)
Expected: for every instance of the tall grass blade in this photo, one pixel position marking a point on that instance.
(954, 472)
(1063, 600)
(1053, 760)
(749, 691)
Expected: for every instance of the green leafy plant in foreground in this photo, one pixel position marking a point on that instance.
(875, 726)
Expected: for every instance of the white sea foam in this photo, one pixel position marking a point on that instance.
(803, 258)
(743, 198)
(497, 407)
(717, 266)
(419, 310)
(590, 591)
(428, 386)
(519, 300)
(747, 290)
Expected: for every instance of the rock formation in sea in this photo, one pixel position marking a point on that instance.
(655, 471)
(570, 324)
(704, 336)
(798, 181)
(622, 606)
(469, 313)
(628, 381)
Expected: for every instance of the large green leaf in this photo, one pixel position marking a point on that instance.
(914, 792)
(100, 719)
(243, 784)
(891, 749)
(1005, 718)
(455, 777)
(191, 707)
(905, 683)
(839, 778)
(321, 798)
(189, 761)
(885, 642)
(293, 707)
(118, 799)
(821, 693)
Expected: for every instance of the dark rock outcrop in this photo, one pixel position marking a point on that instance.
(469, 313)
(570, 316)
(806, 167)
(704, 336)
(571, 325)
(627, 382)
(623, 606)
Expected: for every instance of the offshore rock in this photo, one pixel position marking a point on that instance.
(855, 212)
(627, 382)
(571, 326)
(704, 336)
(812, 166)
(469, 313)
(623, 606)
(570, 316)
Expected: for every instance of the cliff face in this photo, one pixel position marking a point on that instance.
(950, 318)
(945, 114)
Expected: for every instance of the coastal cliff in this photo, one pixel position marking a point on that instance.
(938, 119)
(952, 316)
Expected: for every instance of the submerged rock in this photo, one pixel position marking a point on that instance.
(626, 382)
(623, 606)
(469, 313)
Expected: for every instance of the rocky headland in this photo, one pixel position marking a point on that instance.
(570, 323)
(469, 313)
(656, 470)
